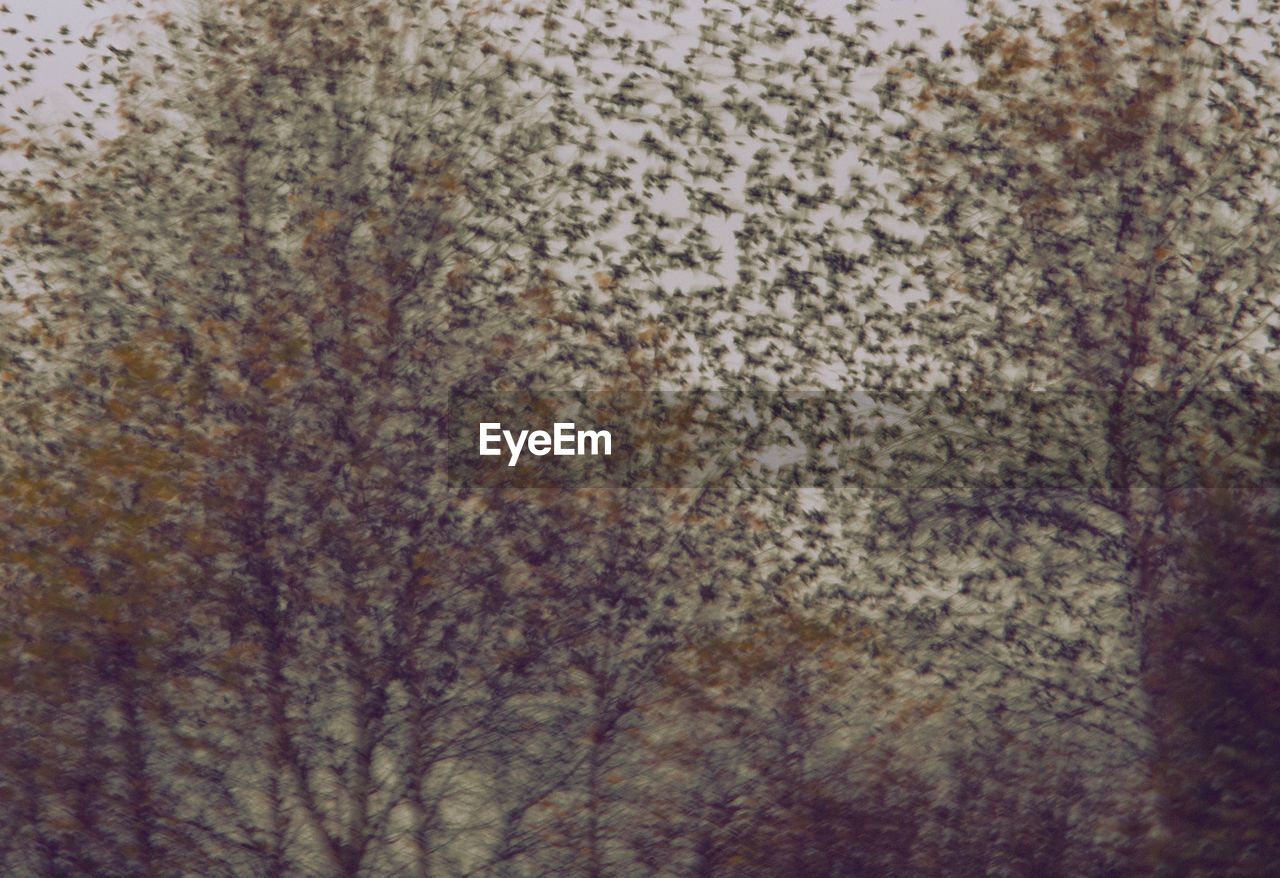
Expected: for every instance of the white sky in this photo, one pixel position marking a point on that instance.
(52, 71)
(946, 17)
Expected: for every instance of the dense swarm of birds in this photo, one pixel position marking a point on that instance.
(928, 358)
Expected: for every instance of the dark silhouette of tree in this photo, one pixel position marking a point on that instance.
(1212, 681)
(1092, 297)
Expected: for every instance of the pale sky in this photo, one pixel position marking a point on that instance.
(946, 17)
